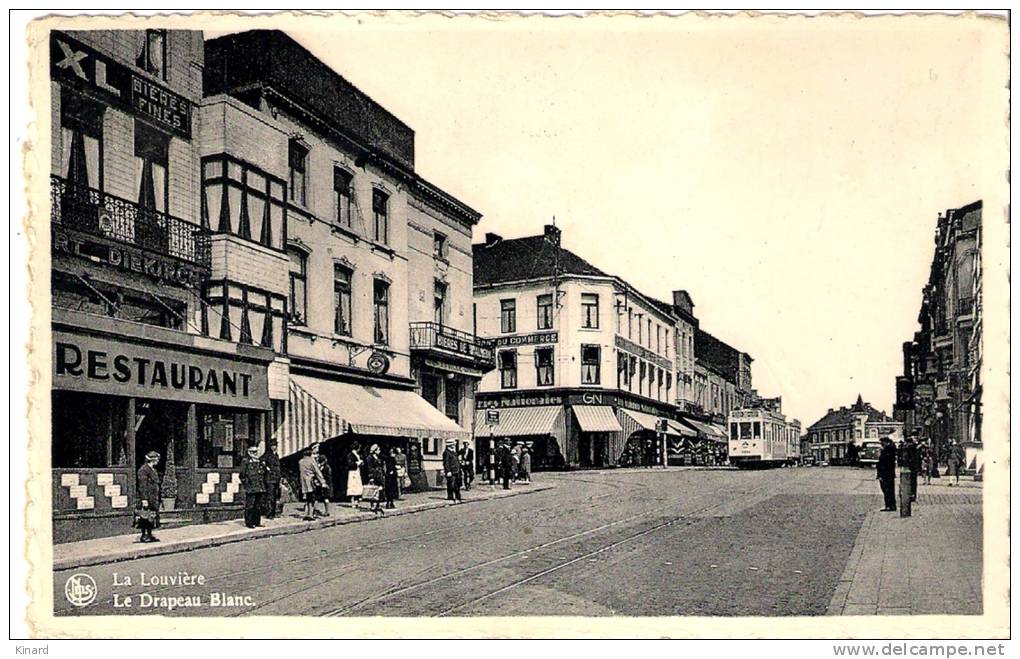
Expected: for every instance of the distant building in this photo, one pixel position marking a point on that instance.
(722, 377)
(836, 436)
(939, 393)
(584, 362)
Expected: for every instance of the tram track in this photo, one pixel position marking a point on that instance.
(555, 566)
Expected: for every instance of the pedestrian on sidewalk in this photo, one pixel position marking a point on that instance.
(910, 462)
(506, 464)
(452, 471)
(324, 492)
(515, 462)
(253, 480)
(311, 476)
(354, 482)
(390, 489)
(886, 473)
(376, 476)
(273, 477)
(403, 480)
(467, 464)
(955, 462)
(147, 505)
(927, 462)
(526, 465)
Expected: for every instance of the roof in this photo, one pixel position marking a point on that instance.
(716, 353)
(844, 416)
(270, 59)
(520, 259)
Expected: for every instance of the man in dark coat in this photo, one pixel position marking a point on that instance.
(253, 479)
(910, 460)
(148, 502)
(452, 471)
(272, 462)
(886, 473)
(506, 464)
(467, 464)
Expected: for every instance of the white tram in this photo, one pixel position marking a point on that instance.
(760, 438)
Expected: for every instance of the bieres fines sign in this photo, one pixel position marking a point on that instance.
(74, 63)
(107, 366)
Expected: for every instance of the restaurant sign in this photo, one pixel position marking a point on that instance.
(128, 258)
(109, 366)
(74, 63)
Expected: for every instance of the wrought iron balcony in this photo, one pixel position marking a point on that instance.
(103, 215)
(450, 342)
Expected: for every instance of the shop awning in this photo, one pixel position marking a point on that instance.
(318, 410)
(708, 430)
(596, 418)
(643, 420)
(681, 428)
(518, 421)
(633, 421)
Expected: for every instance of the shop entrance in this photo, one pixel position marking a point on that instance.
(160, 425)
(593, 450)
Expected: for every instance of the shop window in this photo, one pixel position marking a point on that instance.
(223, 437)
(439, 302)
(508, 369)
(81, 140)
(152, 149)
(544, 369)
(381, 300)
(88, 431)
(153, 56)
(591, 360)
(545, 311)
(381, 215)
(454, 393)
(508, 316)
(343, 196)
(439, 246)
(297, 161)
(298, 286)
(342, 300)
(589, 310)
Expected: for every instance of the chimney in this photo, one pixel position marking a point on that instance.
(682, 300)
(552, 232)
(492, 239)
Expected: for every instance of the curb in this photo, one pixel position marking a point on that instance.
(240, 535)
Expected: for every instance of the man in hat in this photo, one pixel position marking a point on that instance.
(910, 461)
(272, 462)
(147, 505)
(253, 479)
(467, 463)
(452, 471)
(506, 463)
(886, 473)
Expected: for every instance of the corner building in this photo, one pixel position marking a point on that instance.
(160, 342)
(584, 362)
(374, 260)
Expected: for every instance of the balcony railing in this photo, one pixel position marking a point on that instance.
(104, 215)
(433, 336)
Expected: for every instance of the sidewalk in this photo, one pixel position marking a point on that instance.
(186, 538)
(925, 564)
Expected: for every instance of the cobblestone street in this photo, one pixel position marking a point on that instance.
(627, 542)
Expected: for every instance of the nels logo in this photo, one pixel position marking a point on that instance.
(80, 589)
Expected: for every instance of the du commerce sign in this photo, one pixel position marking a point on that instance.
(75, 64)
(109, 366)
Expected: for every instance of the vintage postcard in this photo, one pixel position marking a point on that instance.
(412, 324)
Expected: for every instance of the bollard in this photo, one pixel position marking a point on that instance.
(905, 493)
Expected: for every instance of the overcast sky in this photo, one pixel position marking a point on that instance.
(788, 173)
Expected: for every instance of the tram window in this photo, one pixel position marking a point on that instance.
(734, 431)
(757, 430)
(745, 430)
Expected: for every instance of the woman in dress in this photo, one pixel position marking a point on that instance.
(325, 490)
(375, 475)
(391, 488)
(354, 486)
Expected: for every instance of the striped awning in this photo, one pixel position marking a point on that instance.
(596, 418)
(681, 428)
(517, 421)
(641, 419)
(319, 409)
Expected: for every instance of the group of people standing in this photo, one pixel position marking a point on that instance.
(377, 476)
(513, 463)
(916, 461)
